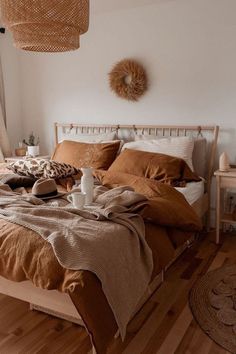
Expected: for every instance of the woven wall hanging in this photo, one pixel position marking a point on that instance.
(128, 79)
(46, 25)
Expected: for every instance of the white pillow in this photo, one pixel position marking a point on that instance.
(181, 147)
(90, 138)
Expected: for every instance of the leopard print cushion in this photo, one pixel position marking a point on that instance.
(38, 168)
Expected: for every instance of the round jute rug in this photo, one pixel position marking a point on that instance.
(213, 304)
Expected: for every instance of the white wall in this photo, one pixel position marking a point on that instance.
(10, 63)
(187, 46)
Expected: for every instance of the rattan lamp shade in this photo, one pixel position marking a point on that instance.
(46, 25)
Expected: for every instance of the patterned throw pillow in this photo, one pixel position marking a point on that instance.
(30, 168)
(38, 168)
(54, 169)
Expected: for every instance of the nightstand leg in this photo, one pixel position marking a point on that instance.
(217, 210)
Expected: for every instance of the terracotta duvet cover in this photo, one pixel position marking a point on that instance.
(25, 255)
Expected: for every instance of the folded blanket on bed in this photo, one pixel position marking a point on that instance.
(109, 241)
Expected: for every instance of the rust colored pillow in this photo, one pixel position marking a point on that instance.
(77, 154)
(167, 169)
(166, 206)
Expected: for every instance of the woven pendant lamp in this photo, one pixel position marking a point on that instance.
(46, 25)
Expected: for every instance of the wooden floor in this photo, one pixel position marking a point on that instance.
(165, 324)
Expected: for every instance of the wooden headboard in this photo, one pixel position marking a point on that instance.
(127, 131)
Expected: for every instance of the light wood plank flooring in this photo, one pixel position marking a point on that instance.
(164, 325)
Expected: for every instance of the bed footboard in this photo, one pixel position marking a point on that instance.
(51, 302)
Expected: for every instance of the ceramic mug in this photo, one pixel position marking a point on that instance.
(77, 199)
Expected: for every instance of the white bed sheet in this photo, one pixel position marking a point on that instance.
(193, 191)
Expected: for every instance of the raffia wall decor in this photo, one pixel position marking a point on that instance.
(46, 25)
(128, 79)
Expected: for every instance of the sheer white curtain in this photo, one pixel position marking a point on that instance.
(5, 149)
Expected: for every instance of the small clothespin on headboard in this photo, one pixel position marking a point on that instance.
(67, 130)
(135, 129)
(199, 134)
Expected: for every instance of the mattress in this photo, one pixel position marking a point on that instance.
(193, 191)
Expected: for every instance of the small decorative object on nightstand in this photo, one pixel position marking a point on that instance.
(21, 150)
(32, 145)
(224, 180)
(224, 162)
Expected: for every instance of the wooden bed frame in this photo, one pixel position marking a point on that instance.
(59, 304)
(202, 205)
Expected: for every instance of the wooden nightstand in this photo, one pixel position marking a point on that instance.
(223, 180)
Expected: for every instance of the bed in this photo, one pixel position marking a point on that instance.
(60, 304)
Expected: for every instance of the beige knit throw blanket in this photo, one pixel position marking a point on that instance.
(108, 241)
